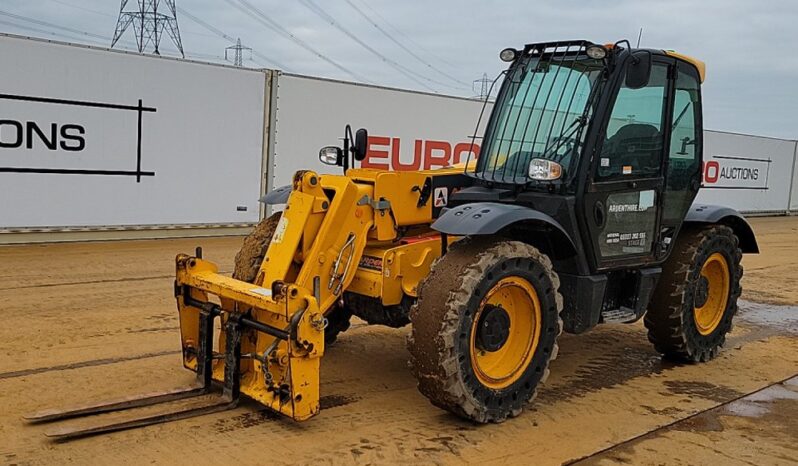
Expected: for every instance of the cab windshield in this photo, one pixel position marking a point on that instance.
(541, 112)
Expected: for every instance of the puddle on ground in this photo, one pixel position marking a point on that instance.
(704, 422)
(706, 390)
(766, 404)
(745, 408)
(758, 404)
(781, 318)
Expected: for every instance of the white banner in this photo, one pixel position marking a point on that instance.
(91, 137)
(94, 138)
(749, 173)
(407, 130)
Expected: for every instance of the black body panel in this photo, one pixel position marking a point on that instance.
(488, 218)
(713, 214)
(580, 295)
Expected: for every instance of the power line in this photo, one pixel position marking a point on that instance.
(46, 32)
(101, 41)
(406, 36)
(405, 71)
(84, 8)
(51, 25)
(228, 37)
(401, 45)
(204, 24)
(269, 23)
(71, 5)
(259, 16)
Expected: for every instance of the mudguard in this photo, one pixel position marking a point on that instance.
(487, 218)
(714, 214)
(277, 196)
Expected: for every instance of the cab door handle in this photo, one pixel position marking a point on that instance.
(598, 214)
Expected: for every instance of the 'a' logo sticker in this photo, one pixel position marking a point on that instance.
(441, 197)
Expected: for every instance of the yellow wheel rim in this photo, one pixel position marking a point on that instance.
(503, 367)
(709, 315)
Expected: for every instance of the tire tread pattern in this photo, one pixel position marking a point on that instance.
(433, 340)
(669, 319)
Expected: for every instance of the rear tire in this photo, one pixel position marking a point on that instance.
(696, 297)
(463, 357)
(250, 257)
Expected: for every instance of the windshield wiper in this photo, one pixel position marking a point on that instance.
(681, 115)
(578, 123)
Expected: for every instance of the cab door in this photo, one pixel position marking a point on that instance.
(626, 178)
(683, 164)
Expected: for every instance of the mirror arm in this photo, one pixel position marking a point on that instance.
(347, 139)
(686, 141)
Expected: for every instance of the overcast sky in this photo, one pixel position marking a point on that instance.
(749, 46)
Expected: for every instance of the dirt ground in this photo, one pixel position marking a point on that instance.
(91, 321)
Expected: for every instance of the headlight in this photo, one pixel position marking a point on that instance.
(330, 155)
(544, 170)
(596, 52)
(508, 55)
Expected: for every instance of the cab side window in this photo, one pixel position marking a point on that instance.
(634, 137)
(685, 147)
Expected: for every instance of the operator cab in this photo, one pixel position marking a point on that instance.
(605, 139)
(592, 153)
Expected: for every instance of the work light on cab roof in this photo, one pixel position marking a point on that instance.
(508, 54)
(596, 52)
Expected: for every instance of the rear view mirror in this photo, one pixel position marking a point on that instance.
(330, 155)
(361, 144)
(638, 70)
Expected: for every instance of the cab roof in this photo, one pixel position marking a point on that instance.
(700, 65)
(541, 46)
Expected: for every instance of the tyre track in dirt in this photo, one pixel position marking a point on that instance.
(79, 365)
(111, 336)
(707, 420)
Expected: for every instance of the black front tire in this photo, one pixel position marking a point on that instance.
(671, 317)
(441, 340)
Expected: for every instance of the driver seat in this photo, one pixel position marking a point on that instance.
(637, 145)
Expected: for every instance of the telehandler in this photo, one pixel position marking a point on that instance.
(578, 211)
